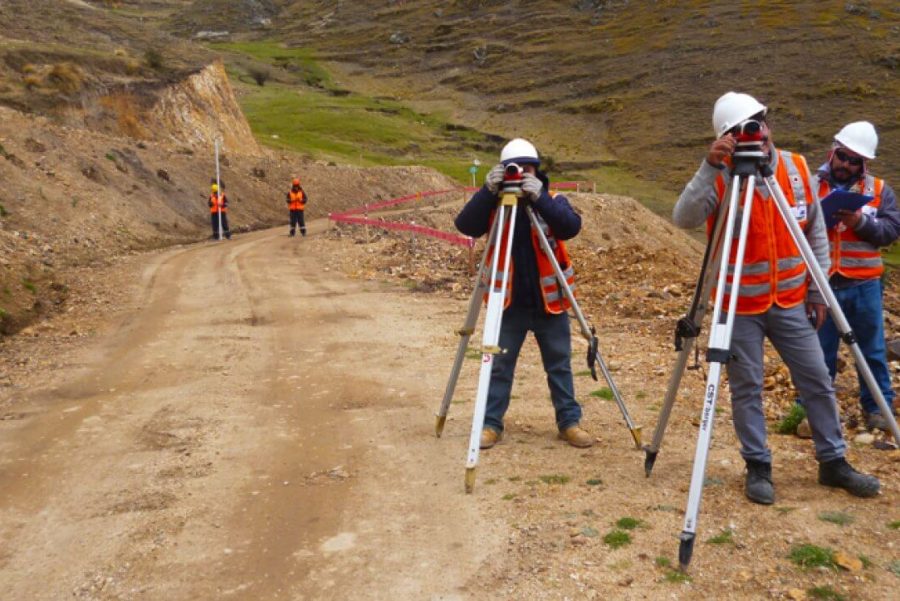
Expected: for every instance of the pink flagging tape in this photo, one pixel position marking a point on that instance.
(396, 201)
(346, 216)
(407, 227)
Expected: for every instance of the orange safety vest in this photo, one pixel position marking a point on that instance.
(554, 299)
(216, 201)
(773, 271)
(297, 200)
(851, 256)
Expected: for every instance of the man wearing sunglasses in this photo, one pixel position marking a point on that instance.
(774, 298)
(856, 265)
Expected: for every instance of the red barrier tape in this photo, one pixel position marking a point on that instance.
(408, 227)
(426, 231)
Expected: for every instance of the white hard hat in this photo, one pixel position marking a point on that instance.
(860, 137)
(519, 150)
(732, 108)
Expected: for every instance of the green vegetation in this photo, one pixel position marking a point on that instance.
(582, 373)
(29, 285)
(554, 479)
(594, 482)
(301, 109)
(603, 393)
(3, 211)
(508, 496)
(629, 523)
(788, 425)
(825, 592)
(677, 577)
(894, 567)
(726, 537)
(811, 556)
(836, 517)
(299, 62)
(663, 562)
(617, 538)
(895, 525)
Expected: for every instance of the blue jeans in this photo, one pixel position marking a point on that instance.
(862, 307)
(555, 342)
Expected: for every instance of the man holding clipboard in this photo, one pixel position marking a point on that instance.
(861, 215)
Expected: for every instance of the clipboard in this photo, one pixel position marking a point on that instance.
(841, 199)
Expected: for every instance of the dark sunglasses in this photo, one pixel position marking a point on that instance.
(846, 158)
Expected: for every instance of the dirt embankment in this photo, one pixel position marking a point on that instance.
(74, 196)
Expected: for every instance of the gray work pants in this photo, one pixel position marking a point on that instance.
(796, 341)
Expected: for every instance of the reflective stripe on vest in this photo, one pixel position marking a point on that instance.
(552, 293)
(773, 271)
(216, 201)
(297, 200)
(850, 256)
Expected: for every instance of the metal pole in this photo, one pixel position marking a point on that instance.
(837, 314)
(491, 336)
(718, 353)
(478, 289)
(218, 191)
(694, 322)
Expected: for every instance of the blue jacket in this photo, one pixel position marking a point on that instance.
(475, 220)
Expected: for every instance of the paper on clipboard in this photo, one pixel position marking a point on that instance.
(841, 199)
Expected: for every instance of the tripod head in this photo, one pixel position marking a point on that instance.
(749, 153)
(512, 179)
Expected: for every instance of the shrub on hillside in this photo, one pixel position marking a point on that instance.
(259, 74)
(154, 59)
(68, 78)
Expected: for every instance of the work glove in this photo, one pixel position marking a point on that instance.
(494, 178)
(531, 187)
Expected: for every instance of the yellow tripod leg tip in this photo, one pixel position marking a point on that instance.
(470, 480)
(439, 422)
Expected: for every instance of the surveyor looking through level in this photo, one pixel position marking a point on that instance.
(534, 301)
(775, 300)
(218, 212)
(856, 264)
(296, 199)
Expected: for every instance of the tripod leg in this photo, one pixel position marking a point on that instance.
(695, 316)
(492, 320)
(465, 333)
(586, 331)
(840, 320)
(717, 354)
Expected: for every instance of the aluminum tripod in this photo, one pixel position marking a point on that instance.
(508, 207)
(718, 351)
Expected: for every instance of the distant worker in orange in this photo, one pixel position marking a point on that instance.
(296, 200)
(218, 206)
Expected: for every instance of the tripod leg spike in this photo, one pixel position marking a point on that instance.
(470, 480)
(649, 460)
(686, 550)
(636, 435)
(439, 422)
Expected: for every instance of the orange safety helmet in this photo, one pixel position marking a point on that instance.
(296, 181)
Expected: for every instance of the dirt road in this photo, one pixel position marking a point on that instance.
(240, 420)
(250, 428)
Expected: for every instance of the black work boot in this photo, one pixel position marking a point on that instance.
(840, 474)
(758, 486)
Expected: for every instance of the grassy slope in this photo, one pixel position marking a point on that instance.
(300, 108)
(640, 78)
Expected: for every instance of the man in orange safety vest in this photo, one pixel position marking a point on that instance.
(775, 300)
(296, 201)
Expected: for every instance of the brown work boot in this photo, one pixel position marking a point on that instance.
(876, 421)
(576, 437)
(489, 437)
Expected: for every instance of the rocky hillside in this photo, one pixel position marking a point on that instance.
(607, 85)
